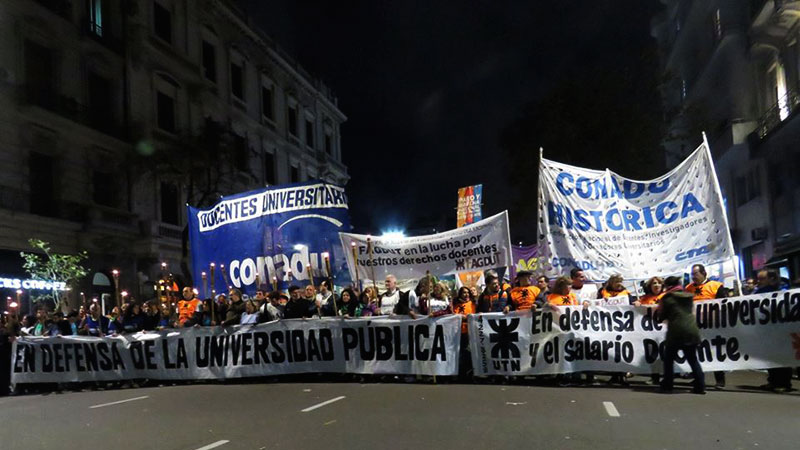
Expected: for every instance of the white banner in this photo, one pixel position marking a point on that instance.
(605, 224)
(740, 333)
(368, 346)
(480, 246)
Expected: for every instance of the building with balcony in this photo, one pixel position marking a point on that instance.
(731, 69)
(115, 114)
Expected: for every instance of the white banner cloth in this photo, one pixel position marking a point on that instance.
(740, 333)
(604, 223)
(479, 246)
(368, 346)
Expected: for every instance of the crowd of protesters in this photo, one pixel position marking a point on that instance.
(430, 297)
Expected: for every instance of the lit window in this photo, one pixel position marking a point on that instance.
(96, 17)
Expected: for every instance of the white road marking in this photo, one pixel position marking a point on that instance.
(320, 405)
(611, 409)
(121, 401)
(213, 445)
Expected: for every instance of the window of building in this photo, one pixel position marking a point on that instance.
(40, 74)
(237, 80)
(162, 22)
(104, 189)
(267, 102)
(170, 204)
(747, 186)
(294, 174)
(42, 185)
(291, 114)
(165, 111)
(310, 132)
(781, 98)
(96, 17)
(269, 168)
(329, 144)
(240, 153)
(209, 61)
(100, 102)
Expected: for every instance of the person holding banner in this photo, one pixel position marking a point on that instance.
(349, 306)
(523, 296)
(236, 308)
(561, 294)
(614, 288)
(585, 292)
(653, 292)
(298, 307)
(369, 302)
(543, 283)
(187, 306)
(779, 380)
(704, 289)
(395, 301)
(95, 323)
(682, 334)
(492, 299)
(464, 305)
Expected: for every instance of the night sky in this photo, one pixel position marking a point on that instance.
(429, 87)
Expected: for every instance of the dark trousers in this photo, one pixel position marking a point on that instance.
(780, 377)
(690, 352)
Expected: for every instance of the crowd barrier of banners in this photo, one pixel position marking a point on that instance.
(740, 333)
(360, 346)
(476, 247)
(606, 224)
(752, 332)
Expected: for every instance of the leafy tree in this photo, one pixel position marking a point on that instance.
(47, 265)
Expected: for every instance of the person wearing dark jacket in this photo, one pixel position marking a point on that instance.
(298, 307)
(132, 319)
(152, 316)
(682, 334)
(493, 298)
(779, 380)
(234, 313)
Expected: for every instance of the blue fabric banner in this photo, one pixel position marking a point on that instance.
(272, 235)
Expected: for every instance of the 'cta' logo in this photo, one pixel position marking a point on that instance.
(693, 253)
(505, 351)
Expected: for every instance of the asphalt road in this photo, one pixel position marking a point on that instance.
(400, 415)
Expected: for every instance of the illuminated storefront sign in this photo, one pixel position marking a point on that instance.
(16, 283)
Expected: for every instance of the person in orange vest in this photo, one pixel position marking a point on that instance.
(187, 306)
(522, 297)
(561, 295)
(464, 304)
(704, 289)
(653, 291)
(614, 288)
(493, 299)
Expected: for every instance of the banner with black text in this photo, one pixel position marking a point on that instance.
(752, 332)
(426, 346)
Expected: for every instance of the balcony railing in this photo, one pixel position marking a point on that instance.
(780, 111)
(69, 108)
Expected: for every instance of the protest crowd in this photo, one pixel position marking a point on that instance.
(430, 298)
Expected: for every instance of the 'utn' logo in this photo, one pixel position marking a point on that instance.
(504, 348)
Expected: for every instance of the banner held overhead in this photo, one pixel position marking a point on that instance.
(606, 224)
(479, 246)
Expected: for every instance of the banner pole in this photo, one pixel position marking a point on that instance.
(213, 294)
(732, 254)
(355, 264)
(372, 268)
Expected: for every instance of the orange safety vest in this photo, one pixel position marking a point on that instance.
(651, 299)
(705, 291)
(609, 294)
(562, 300)
(464, 309)
(187, 308)
(522, 298)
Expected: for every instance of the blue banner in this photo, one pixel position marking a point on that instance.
(277, 235)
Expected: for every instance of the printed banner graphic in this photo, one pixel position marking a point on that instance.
(270, 235)
(366, 346)
(607, 224)
(469, 205)
(741, 333)
(524, 258)
(476, 247)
